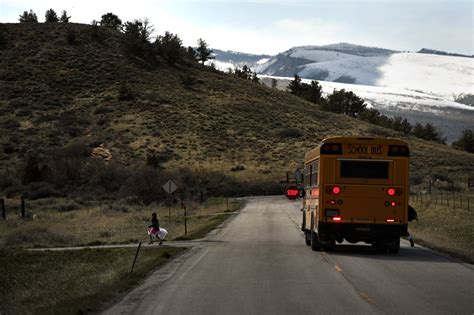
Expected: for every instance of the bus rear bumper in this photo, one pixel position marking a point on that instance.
(360, 232)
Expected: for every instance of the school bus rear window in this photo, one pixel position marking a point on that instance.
(365, 169)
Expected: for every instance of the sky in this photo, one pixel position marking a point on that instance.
(273, 26)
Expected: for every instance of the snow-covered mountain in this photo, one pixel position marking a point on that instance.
(417, 86)
(434, 74)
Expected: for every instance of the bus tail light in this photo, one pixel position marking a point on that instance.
(393, 203)
(337, 219)
(390, 220)
(336, 190)
(391, 191)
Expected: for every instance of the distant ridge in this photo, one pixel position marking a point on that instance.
(442, 53)
(238, 57)
(347, 48)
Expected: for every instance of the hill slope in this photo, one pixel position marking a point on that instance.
(53, 93)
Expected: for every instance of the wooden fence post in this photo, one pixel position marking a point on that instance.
(185, 222)
(2, 206)
(23, 215)
(468, 204)
(136, 255)
(454, 200)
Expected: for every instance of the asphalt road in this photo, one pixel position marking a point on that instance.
(258, 264)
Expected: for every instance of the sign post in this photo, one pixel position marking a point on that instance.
(298, 176)
(169, 187)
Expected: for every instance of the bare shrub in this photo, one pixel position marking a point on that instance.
(290, 133)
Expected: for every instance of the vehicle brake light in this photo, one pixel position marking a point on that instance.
(336, 190)
(292, 192)
(393, 204)
(336, 218)
(391, 191)
(390, 220)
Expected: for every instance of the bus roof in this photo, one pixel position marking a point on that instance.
(310, 155)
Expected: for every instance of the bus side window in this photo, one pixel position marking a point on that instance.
(306, 175)
(314, 173)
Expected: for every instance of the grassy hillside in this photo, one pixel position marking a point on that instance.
(60, 83)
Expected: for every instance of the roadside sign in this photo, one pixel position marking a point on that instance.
(170, 187)
(292, 192)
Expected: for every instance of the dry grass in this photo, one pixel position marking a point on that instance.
(107, 223)
(444, 228)
(71, 282)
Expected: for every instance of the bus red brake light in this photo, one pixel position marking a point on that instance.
(336, 219)
(391, 191)
(336, 190)
(390, 220)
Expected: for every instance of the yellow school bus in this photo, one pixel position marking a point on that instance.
(356, 189)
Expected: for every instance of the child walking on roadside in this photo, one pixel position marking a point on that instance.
(154, 228)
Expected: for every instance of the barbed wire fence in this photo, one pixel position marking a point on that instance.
(454, 195)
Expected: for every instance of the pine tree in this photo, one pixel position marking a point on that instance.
(295, 86)
(345, 103)
(169, 47)
(111, 20)
(466, 141)
(312, 92)
(419, 130)
(431, 134)
(64, 17)
(136, 40)
(370, 115)
(428, 132)
(203, 52)
(191, 53)
(405, 127)
(28, 17)
(397, 123)
(51, 17)
(274, 83)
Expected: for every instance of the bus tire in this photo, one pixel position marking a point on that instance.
(395, 248)
(315, 245)
(303, 224)
(307, 237)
